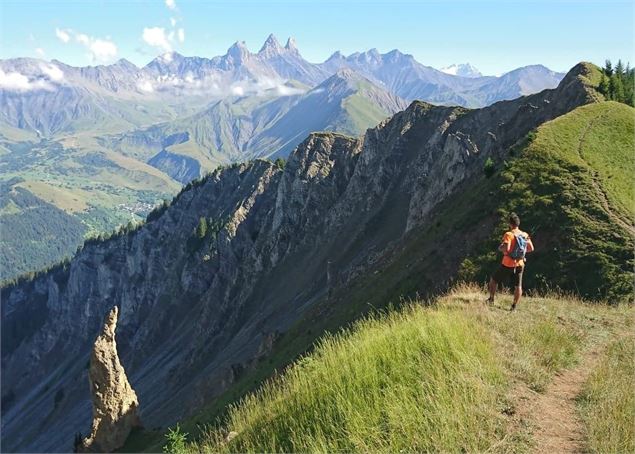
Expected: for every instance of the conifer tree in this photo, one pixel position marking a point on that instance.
(619, 69)
(603, 87)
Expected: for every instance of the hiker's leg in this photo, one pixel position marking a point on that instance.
(497, 276)
(492, 288)
(518, 286)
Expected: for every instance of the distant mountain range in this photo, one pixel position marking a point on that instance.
(263, 126)
(52, 97)
(103, 143)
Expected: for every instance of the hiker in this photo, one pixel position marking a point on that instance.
(514, 246)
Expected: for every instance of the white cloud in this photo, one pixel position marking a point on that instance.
(19, 82)
(181, 35)
(101, 50)
(62, 35)
(155, 37)
(237, 91)
(40, 52)
(285, 90)
(14, 81)
(82, 39)
(146, 86)
(170, 4)
(53, 72)
(173, 21)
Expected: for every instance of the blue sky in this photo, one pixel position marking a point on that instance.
(495, 36)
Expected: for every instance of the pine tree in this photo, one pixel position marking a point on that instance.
(619, 69)
(612, 80)
(603, 87)
(618, 88)
(630, 84)
(608, 68)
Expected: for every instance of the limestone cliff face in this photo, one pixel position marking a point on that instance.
(114, 401)
(195, 311)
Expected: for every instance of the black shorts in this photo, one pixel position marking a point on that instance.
(505, 274)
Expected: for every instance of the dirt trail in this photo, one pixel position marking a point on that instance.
(558, 427)
(604, 201)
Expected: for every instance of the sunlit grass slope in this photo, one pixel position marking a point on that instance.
(571, 183)
(424, 378)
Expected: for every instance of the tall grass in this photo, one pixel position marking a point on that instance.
(438, 379)
(607, 402)
(422, 380)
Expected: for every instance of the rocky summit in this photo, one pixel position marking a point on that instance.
(209, 284)
(115, 403)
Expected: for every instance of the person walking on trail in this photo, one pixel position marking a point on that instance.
(514, 246)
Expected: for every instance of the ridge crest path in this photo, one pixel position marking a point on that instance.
(604, 201)
(558, 427)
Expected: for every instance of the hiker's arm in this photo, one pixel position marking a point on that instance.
(505, 245)
(504, 248)
(530, 245)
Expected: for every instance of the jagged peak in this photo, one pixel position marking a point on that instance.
(271, 46)
(337, 55)
(291, 45)
(239, 47)
(238, 51)
(122, 62)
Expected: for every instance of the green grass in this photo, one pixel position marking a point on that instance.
(607, 403)
(428, 379)
(362, 114)
(571, 184)
(580, 250)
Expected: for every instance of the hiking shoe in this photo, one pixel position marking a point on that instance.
(490, 301)
(513, 308)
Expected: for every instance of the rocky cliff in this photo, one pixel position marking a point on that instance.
(198, 305)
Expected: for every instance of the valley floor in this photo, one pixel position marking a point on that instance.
(455, 375)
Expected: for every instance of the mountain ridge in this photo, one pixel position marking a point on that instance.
(278, 230)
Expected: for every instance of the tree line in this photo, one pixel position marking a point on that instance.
(618, 83)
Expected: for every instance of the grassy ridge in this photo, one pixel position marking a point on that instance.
(580, 249)
(423, 378)
(571, 185)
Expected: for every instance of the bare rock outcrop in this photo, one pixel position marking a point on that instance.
(114, 401)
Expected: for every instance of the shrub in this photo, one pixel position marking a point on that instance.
(175, 441)
(489, 168)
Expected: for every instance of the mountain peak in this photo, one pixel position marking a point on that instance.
(271, 46)
(238, 51)
(123, 63)
(343, 77)
(462, 70)
(337, 55)
(291, 45)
